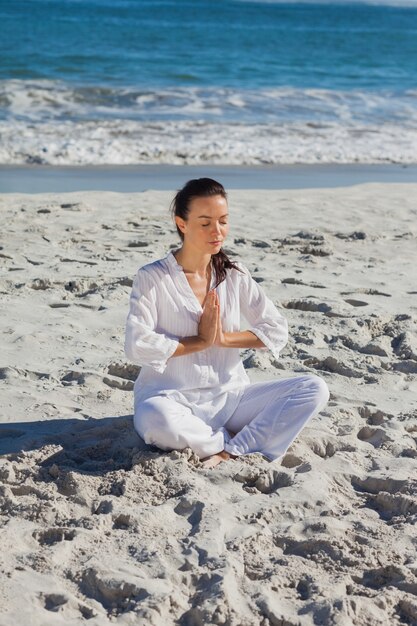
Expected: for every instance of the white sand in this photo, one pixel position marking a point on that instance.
(98, 528)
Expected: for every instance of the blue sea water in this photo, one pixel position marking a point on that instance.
(220, 81)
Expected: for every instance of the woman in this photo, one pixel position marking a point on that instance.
(183, 328)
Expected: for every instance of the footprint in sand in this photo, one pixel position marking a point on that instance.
(121, 376)
(296, 281)
(127, 371)
(53, 535)
(331, 364)
(14, 372)
(117, 383)
(325, 448)
(265, 481)
(355, 236)
(257, 243)
(40, 284)
(404, 346)
(375, 436)
(138, 244)
(291, 460)
(71, 206)
(369, 292)
(81, 287)
(317, 550)
(54, 601)
(123, 522)
(407, 611)
(73, 378)
(373, 484)
(110, 589)
(307, 234)
(308, 305)
(316, 251)
(386, 576)
(191, 509)
(373, 418)
(353, 302)
(390, 506)
(404, 367)
(102, 508)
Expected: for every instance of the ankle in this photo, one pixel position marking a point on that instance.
(226, 455)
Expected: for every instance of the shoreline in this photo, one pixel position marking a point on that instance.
(35, 179)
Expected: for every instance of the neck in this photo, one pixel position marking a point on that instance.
(193, 261)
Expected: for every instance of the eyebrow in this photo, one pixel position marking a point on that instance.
(208, 217)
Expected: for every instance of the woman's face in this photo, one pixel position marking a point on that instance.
(206, 226)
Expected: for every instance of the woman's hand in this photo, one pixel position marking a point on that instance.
(207, 326)
(220, 337)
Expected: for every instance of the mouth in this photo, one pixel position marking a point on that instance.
(215, 243)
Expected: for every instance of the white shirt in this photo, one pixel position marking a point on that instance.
(164, 308)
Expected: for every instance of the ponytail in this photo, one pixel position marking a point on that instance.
(221, 263)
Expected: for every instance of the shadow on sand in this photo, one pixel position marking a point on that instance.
(95, 446)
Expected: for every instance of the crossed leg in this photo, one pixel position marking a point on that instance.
(268, 418)
(166, 423)
(271, 414)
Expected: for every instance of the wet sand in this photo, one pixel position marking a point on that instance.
(134, 178)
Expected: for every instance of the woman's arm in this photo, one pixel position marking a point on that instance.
(143, 344)
(266, 321)
(187, 345)
(269, 329)
(241, 339)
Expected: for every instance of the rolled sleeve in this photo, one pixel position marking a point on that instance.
(143, 344)
(267, 323)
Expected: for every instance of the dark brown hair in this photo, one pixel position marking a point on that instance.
(180, 207)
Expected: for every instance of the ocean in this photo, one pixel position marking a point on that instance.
(219, 82)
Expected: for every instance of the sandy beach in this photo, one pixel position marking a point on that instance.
(99, 528)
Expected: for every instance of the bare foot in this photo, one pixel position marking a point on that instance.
(212, 461)
(215, 459)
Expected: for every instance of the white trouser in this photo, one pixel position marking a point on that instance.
(267, 419)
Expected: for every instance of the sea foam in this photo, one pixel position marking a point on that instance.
(57, 123)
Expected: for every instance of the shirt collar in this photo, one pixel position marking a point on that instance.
(176, 267)
(170, 258)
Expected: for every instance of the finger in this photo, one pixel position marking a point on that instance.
(212, 300)
(208, 299)
(210, 308)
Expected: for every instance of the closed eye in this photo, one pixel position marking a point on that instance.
(222, 223)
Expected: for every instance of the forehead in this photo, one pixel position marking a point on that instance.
(213, 206)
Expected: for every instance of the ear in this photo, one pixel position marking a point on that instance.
(180, 223)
